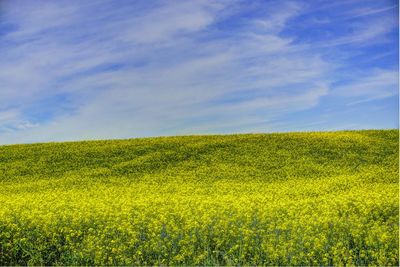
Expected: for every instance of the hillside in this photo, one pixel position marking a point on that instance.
(255, 199)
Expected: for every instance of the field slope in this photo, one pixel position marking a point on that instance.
(256, 199)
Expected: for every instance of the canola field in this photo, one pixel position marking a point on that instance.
(329, 198)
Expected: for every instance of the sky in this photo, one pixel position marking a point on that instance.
(99, 69)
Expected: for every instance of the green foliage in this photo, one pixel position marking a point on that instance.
(257, 199)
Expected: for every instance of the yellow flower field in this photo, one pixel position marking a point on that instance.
(256, 199)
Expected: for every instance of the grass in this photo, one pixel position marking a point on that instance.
(327, 198)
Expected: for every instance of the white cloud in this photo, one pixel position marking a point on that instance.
(371, 86)
(364, 33)
(26, 125)
(367, 11)
(278, 16)
(8, 115)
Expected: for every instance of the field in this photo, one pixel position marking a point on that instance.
(256, 199)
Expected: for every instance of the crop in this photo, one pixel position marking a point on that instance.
(256, 199)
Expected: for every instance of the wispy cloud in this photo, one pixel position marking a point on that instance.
(365, 33)
(8, 115)
(376, 85)
(367, 11)
(102, 69)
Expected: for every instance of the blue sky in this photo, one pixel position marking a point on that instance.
(73, 70)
